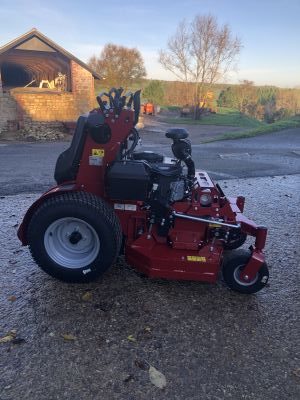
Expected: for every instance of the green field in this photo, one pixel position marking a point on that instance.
(224, 116)
(293, 122)
(231, 117)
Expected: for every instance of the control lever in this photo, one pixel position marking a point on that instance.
(118, 101)
(113, 99)
(101, 102)
(122, 103)
(136, 105)
(129, 103)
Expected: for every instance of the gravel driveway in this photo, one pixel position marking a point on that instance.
(97, 341)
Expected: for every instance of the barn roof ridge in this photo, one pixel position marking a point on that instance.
(34, 32)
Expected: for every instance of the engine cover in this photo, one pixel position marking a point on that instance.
(128, 180)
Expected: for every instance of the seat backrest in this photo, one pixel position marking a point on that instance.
(67, 163)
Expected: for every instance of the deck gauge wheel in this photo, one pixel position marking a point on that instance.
(233, 266)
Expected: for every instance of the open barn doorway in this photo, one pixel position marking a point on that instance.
(15, 75)
(35, 72)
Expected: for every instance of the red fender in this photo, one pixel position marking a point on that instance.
(22, 231)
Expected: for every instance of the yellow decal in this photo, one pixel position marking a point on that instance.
(196, 258)
(214, 225)
(98, 152)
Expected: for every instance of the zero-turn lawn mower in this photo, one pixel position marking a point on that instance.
(170, 221)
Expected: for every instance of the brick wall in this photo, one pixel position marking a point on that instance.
(82, 88)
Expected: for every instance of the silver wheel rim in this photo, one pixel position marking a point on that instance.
(237, 277)
(71, 242)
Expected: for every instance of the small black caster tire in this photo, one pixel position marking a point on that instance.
(232, 267)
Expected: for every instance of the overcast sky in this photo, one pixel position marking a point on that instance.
(269, 30)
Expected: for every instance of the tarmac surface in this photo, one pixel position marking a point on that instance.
(28, 167)
(98, 341)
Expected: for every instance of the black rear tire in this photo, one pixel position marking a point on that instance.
(55, 252)
(234, 263)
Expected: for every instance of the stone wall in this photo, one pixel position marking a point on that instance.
(8, 113)
(50, 130)
(39, 106)
(28, 108)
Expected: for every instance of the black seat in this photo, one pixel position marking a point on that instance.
(67, 163)
(177, 133)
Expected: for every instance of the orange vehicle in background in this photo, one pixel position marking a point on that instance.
(148, 108)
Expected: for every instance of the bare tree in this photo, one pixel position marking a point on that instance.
(245, 94)
(119, 65)
(201, 52)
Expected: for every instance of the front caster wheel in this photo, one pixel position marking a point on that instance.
(74, 236)
(234, 265)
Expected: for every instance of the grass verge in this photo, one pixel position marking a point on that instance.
(224, 116)
(293, 122)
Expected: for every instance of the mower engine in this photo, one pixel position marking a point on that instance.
(170, 220)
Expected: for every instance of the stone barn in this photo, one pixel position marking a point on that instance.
(42, 86)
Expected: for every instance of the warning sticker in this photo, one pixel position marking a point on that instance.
(118, 206)
(196, 258)
(216, 225)
(126, 207)
(98, 152)
(95, 160)
(130, 207)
